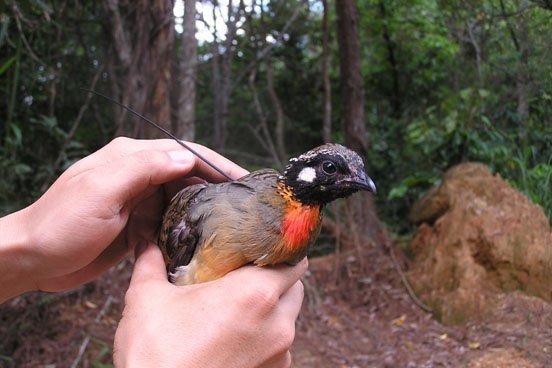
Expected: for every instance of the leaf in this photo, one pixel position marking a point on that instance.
(6, 358)
(451, 122)
(483, 93)
(90, 304)
(46, 121)
(41, 4)
(399, 321)
(409, 182)
(7, 64)
(22, 169)
(486, 121)
(474, 345)
(397, 192)
(466, 93)
(4, 30)
(18, 136)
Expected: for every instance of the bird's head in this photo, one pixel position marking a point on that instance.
(326, 173)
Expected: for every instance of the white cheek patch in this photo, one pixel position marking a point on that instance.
(308, 174)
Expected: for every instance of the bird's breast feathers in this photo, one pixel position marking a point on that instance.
(300, 224)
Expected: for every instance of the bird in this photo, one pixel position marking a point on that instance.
(263, 218)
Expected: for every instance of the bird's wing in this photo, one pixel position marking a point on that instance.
(178, 235)
(265, 176)
(245, 215)
(222, 219)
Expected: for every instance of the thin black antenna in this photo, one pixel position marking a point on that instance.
(134, 112)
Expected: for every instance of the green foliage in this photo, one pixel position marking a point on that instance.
(533, 179)
(442, 84)
(459, 130)
(103, 359)
(440, 103)
(26, 169)
(40, 73)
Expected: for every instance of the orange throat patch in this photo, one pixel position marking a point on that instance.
(300, 221)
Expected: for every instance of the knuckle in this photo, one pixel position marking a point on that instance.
(261, 298)
(90, 183)
(286, 363)
(119, 142)
(301, 287)
(303, 265)
(131, 296)
(284, 337)
(282, 360)
(266, 298)
(150, 157)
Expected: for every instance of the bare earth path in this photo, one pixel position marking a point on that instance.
(364, 321)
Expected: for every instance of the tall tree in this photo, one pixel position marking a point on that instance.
(521, 43)
(142, 36)
(350, 68)
(184, 121)
(362, 214)
(223, 55)
(392, 59)
(327, 117)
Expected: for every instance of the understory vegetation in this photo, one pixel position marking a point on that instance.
(445, 82)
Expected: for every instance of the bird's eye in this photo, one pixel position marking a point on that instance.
(329, 167)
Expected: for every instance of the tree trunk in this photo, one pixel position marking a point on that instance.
(352, 85)
(184, 123)
(140, 64)
(216, 87)
(522, 72)
(396, 96)
(222, 74)
(361, 213)
(280, 120)
(327, 118)
(522, 48)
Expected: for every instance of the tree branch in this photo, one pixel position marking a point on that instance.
(269, 47)
(280, 121)
(74, 128)
(265, 139)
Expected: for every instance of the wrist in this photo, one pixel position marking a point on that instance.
(15, 256)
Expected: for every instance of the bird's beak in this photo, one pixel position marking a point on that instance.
(363, 182)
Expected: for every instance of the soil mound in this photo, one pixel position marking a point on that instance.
(478, 238)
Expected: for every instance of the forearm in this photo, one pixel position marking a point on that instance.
(15, 256)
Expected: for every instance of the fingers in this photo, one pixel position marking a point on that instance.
(124, 179)
(283, 277)
(107, 259)
(286, 313)
(291, 301)
(125, 168)
(279, 361)
(206, 172)
(272, 297)
(122, 147)
(149, 264)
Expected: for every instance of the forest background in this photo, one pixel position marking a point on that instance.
(416, 87)
(430, 84)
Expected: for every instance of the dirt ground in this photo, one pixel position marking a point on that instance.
(358, 317)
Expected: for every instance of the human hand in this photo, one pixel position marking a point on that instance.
(96, 211)
(244, 319)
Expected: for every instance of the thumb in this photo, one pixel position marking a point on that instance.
(129, 176)
(149, 264)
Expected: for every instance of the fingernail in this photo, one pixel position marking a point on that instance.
(181, 156)
(140, 247)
